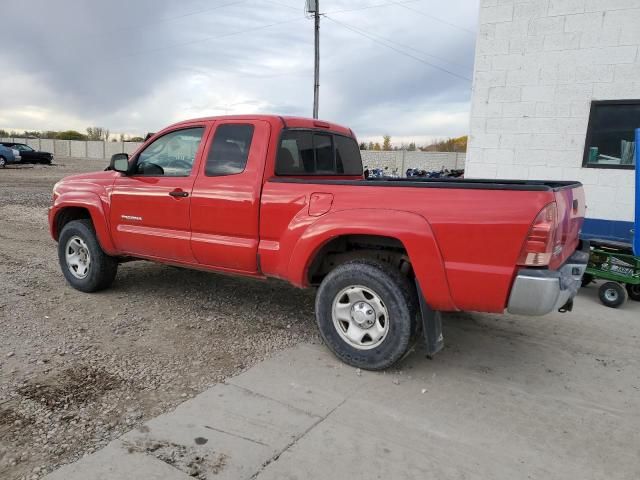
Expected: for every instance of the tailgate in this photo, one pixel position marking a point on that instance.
(570, 201)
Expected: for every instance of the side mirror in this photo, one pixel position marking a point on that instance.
(120, 162)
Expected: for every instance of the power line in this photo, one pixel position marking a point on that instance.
(402, 45)
(385, 4)
(274, 2)
(401, 52)
(167, 19)
(213, 37)
(433, 17)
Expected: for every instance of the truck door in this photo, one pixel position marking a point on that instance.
(225, 203)
(150, 206)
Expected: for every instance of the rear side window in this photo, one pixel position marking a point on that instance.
(229, 151)
(348, 160)
(304, 152)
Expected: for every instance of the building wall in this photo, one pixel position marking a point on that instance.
(539, 64)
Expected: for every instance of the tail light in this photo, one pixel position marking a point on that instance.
(539, 245)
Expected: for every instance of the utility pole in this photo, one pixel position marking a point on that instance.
(314, 5)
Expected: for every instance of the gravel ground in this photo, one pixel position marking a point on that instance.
(77, 370)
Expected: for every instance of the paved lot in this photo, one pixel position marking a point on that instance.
(77, 370)
(552, 398)
(509, 397)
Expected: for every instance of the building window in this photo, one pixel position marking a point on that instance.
(611, 134)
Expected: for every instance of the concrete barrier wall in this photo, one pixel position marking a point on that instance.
(47, 145)
(399, 161)
(396, 161)
(111, 148)
(79, 149)
(62, 148)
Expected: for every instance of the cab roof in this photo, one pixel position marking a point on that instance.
(286, 121)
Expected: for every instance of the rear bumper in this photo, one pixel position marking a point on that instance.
(538, 292)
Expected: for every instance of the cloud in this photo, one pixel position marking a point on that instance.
(138, 66)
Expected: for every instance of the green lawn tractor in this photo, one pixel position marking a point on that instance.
(619, 268)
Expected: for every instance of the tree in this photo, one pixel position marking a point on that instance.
(412, 147)
(3, 133)
(458, 144)
(371, 146)
(386, 142)
(71, 135)
(95, 133)
(363, 146)
(136, 139)
(107, 134)
(376, 146)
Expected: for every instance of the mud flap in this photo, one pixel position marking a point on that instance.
(431, 325)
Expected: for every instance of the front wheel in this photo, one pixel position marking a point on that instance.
(612, 294)
(3, 162)
(366, 313)
(84, 264)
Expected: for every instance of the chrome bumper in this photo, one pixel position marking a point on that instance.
(538, 292)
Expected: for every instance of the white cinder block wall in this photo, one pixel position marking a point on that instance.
(539, 64)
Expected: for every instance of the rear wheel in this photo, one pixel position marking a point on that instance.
(634, 292)
(84, 264)
(366, 313)
(612, 294)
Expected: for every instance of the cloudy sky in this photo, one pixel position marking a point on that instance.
(387, 67)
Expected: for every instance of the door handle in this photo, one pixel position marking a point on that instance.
(179, 193)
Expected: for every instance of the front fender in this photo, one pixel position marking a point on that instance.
(411, 229)
(94, 205)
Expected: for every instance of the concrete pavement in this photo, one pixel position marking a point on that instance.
(510, 397)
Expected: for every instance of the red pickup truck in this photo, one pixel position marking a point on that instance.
(271, 196)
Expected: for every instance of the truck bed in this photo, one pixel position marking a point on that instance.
(465, 183)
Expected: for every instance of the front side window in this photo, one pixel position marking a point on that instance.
(24, 148)
(229, 151)
(611, 134)
(171, 155)
(304, 152)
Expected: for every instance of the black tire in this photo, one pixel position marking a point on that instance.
(612, 294)
(634, 292)
(587, 278)
(399, 298)
(102, 268)
(3, 162)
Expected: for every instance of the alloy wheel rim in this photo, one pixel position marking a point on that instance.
(360, 317)
(77, 257)
(611, 295)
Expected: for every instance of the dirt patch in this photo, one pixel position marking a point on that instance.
(74, 385)
(195, 461)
